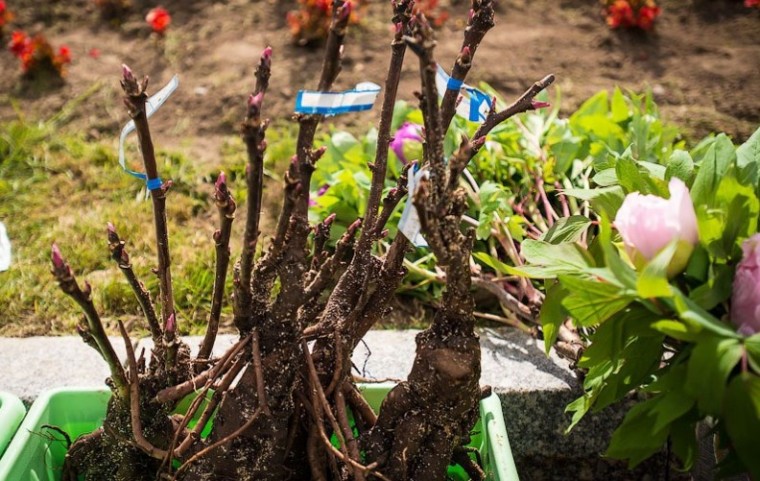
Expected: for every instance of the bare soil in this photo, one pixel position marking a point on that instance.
(702, 61)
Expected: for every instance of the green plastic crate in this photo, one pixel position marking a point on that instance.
(12, 412)
(36, 454)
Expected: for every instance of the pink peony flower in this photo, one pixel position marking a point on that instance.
(745, 300)
(648, 223)
(406, 133)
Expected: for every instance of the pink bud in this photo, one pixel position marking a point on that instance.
(255, 101)
(466, 54)
(221, 180)
(648, 223)
(345, 10)
(171, 323)
(126, 72)
(58, 261)
(399, 27)
(470, 15)
(266, 56)
(745, 300)
(537, 104)
(330, 218)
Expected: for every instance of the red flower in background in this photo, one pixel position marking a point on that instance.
(19, 42)
(647, 15)
(752, 3)
(36, 53)
(63, 56)
(159, 20)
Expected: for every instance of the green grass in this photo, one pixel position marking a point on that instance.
(57, 187)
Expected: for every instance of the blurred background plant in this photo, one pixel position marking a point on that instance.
(37, 57)
(6, 16)
(310, 23)
(113, 10)
(639, 14)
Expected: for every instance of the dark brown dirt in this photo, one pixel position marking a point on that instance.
(702, 61)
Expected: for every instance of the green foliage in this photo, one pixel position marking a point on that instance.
(668, 337)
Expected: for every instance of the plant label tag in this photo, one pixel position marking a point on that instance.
(475, 104)
(5, 249)
(151, 106)
(409, 225)
(362, 97)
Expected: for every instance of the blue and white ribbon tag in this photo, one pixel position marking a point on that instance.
(362, 97)
(409, 225)
(474, 105)
(151, 106)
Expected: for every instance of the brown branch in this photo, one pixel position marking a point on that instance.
(359, 406)
(68, 284)
(217, 444)
(253, 132)
(179, 391)
(120, 255)
(219, 392)
(258, 370)
(328, 269)
(380, 166)
(134, 401)
(391, 201)
(135, 102)
(348, 434)
(479, 23)
(226, 206)
(523, 104)
(505, 298)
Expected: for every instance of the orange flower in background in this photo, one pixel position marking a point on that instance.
(620, 14)
(159, 20)
(5, 15)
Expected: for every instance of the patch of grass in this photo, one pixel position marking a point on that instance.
(60, 188)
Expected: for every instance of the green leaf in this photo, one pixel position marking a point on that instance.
(710, 363)
(717, 289)
(619, 106)
(605, 200)
(742, 416)
(591, 302)
(636, 439)
(492, 262)
(653, 281)
(676, 329)
(691, 313)
(555, 259)
(632, 179)
(684, 442)
(752, 344)
(567, 229)
(748, 160)
(680, 165)
(606, 177)
(712, 169)
(552, 314)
